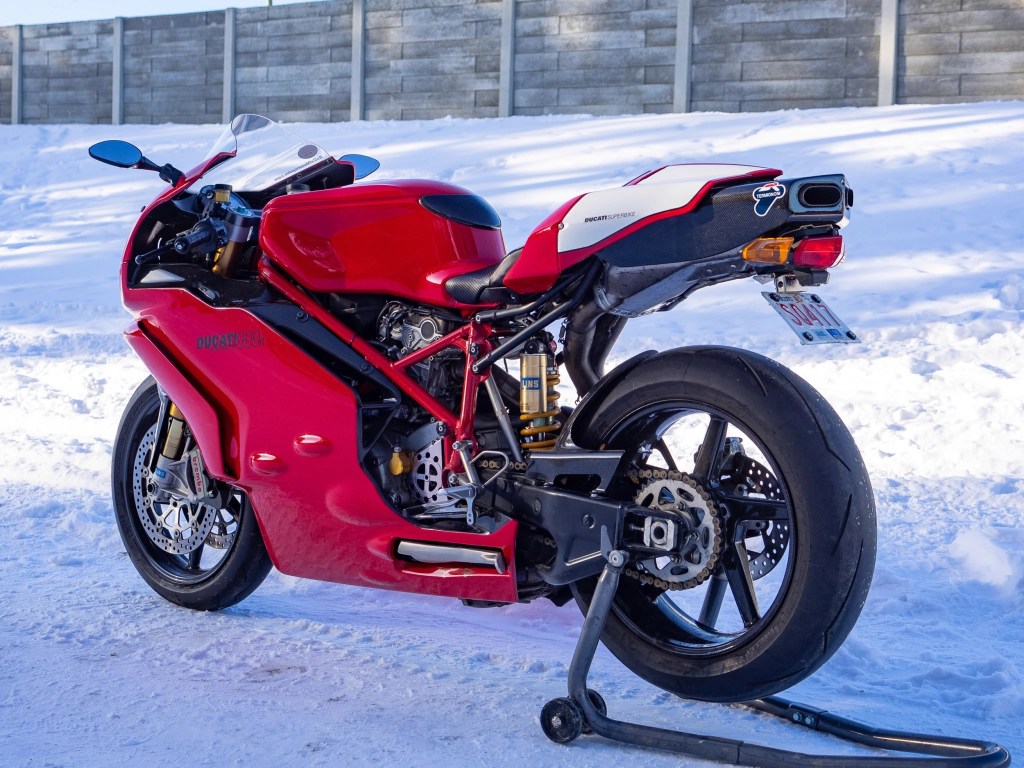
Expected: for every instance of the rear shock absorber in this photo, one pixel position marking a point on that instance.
(538, 397)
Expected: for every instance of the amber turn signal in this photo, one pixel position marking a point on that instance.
(768, 250)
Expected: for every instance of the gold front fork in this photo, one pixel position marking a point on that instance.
(174, 443)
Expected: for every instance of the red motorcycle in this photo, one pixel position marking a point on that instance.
(355, 382)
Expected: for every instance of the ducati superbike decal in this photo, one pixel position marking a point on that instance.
(766, 195)
(243, 340)
(610, 216)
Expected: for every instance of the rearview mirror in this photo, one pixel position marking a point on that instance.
(124, 155)
(117, 153)
(363, 165)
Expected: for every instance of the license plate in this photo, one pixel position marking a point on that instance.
(810, 318)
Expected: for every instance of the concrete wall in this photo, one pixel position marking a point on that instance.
(431, 58)
(603, 57)
(66, 72)
(961, 50)
(405, 59)
(173, 68)
(6, 72)
(294, 62)
(754, 56)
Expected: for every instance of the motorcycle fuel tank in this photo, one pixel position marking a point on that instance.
(400, 238)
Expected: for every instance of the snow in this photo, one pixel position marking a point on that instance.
(95, 669)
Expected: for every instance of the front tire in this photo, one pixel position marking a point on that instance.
(220, 562)
(760, 451)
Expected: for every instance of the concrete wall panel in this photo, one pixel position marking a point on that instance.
(431, 58)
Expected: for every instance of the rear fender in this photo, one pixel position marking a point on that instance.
(592, 401)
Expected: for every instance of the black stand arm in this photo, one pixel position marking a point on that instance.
(565, 719)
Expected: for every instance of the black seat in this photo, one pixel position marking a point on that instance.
(483, 286)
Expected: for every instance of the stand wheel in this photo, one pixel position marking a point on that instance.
(599, 704)
(562, 720)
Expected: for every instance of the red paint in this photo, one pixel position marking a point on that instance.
(266, 464)
(375, 238)
(538, 266)
(321, 516)
(312, 445)
(541, 263)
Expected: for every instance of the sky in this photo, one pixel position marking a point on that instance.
(49, 11)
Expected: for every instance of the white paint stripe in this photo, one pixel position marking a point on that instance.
(601, 214)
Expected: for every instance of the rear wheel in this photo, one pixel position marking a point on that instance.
(205, 554)
(771, 479)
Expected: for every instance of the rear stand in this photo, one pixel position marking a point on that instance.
(564, 719)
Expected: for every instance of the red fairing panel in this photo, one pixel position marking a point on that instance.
(375, 238)
(568, 237)
(538, 265)
(272, 421)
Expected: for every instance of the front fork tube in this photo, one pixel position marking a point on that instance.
(169, 447)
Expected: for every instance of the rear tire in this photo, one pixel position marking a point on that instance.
(813, 484)
(225, 568)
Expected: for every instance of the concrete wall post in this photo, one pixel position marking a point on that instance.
(117, 75)
(356, 108)
(684, 48)
(888, 52)
(228, 106)
(506, 71)
(16, 93)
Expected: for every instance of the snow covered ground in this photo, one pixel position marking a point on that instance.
(96, 670)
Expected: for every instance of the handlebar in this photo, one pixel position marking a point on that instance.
(202, 234)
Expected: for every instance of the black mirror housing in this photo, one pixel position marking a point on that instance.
(363, 165)
(120, 154)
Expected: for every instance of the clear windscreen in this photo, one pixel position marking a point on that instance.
(265, 155)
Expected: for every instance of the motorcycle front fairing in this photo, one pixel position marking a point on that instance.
(271, 420)
(286, 431)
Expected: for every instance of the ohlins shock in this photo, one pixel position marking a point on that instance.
(538, 398)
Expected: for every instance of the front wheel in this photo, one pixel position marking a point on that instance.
(205, 554)
(784, 547)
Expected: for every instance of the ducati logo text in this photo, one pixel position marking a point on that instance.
(243, 340)
(610, 216)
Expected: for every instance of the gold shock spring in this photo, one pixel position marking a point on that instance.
(539, 377)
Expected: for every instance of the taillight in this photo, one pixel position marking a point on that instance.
(819, 252)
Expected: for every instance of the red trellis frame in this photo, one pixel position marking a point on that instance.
(471, 339)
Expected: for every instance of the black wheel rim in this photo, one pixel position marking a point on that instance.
(759, 538)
